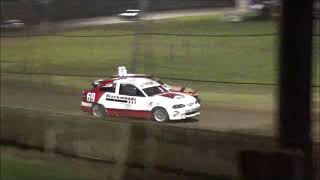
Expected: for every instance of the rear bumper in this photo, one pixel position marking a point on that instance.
(86, 107)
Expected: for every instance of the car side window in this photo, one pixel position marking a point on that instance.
(108, 89)
(130, 90)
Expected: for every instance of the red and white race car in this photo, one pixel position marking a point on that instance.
(141, 97)
(173, 88)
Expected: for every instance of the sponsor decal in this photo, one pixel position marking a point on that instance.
(124, 99)
(150, 83)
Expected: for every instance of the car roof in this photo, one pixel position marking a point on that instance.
(135, 75)
(133, 10)
(140, 82)
(129, 14)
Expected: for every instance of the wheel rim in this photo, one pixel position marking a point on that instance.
(97, 111)
(160, 115)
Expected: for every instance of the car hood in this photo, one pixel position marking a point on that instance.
(176, 98)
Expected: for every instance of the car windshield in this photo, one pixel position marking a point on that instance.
(151, 91)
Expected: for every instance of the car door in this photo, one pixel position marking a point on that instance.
(134, 101)
(109, 99)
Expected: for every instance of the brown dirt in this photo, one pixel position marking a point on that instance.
(213, 117)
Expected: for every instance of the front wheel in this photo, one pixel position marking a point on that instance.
(98, 111)
(160, 115)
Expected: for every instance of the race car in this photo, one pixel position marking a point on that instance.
(12, 24)
(131, 14)
(173, 88)
(138, 97)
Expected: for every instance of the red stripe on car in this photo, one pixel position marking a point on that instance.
(129, 113)
(86, 109)
(104, 83)
(98, 92)
(169, 95)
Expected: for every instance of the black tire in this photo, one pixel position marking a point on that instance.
(98, 111)
(160, 115)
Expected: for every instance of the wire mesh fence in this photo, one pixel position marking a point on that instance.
(204, 50)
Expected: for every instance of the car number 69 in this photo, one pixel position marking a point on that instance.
(91, 97)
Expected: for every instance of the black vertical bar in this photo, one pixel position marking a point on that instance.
(295, 78)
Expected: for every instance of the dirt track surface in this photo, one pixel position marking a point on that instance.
(68, 101)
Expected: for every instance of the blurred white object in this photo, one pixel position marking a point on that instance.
(12, 24)
(122, 71)
(233, 18)
(130, 14)
(257, 6)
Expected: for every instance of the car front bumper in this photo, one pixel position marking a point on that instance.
(183, 113)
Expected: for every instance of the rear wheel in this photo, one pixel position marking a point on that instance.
(160, 115)
(98, 111)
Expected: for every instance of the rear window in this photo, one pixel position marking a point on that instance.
(110, 88)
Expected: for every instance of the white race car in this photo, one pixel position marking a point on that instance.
(130, 14)
(12, 24)
(138, 97)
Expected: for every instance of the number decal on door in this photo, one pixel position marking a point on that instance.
(91, 97)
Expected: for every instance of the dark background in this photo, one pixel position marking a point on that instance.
(34, 11)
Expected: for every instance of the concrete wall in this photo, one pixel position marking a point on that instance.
(130, 144)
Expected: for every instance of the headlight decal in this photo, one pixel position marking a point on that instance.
(178, 106)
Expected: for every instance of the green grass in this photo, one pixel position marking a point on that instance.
(39, 166)
(242, 59)
(225, 59)
(16, 168)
